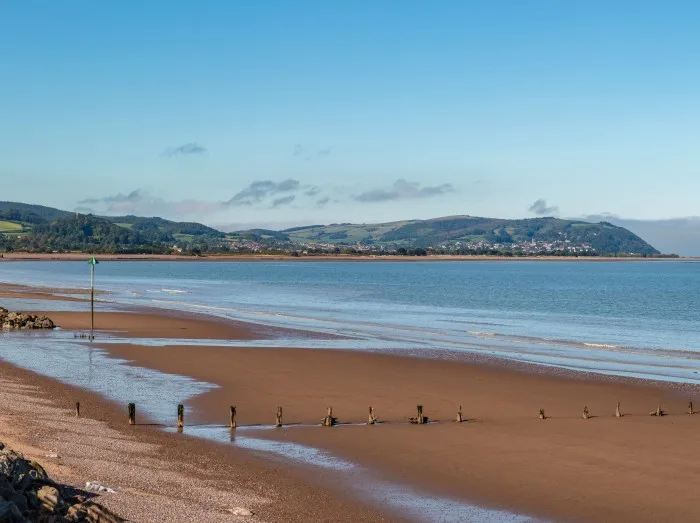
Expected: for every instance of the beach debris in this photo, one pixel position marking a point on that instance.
(241, 511)
(419, 419)
(131, 409)
(52, 455)
(542, 414)
(180, 417)
(585, 414)
(618, 412)
(232, 422)
(460, 418)
(329, 420)
(657, 412)
(94, 486)
(278, 419)
(690, 407)
(77, 409)
(372, 419)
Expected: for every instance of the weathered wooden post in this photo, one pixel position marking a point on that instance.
(419, 419)
(459, 419)
(232, 420)
(690, 407)
(278, 422)
(329, 420)
(372, 419)
(657, 412)
(77, 409)
(180, 417)
(542, 414)
(618, 412)
(132, 413)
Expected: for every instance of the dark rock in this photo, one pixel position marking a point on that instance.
(9, 513)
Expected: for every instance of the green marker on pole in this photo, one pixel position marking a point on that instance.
(92, 263)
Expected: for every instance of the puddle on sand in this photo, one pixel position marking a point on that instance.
(359, 480)
(156, 395)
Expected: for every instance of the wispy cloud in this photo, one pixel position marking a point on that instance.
(309, 153)
(185, 149)
(540, 208)
(141, 202)
(403, 190)
(323, 201)
(285, 200)
(133, 196)
(257, 191)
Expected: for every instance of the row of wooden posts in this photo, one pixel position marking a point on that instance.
(329, 420)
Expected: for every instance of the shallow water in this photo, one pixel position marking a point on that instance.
(628, 319)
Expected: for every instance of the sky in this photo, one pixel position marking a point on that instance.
(277, 113)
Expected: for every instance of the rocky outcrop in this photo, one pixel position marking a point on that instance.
(23, 321)
(28, 495)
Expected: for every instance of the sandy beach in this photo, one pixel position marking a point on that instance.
(561, 468)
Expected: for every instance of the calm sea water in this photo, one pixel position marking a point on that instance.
(632, 319)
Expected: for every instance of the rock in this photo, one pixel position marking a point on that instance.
(98, 514)
(49, 497)
(76, 513)
(9, 513)
(241, 511)
(23, 321)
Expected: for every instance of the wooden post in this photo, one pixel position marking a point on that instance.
(180, 417)
(372, 419)
(132, 413)
(278, 422)
(585, 412)
(460, 419)
(618, 412)
(329, 420)
(232, 421)
(690, 407)
(657, 412)
(419, 419)
(77, 409)
(542, 414)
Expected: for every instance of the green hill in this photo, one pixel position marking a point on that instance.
(43, 229)
(463, 231)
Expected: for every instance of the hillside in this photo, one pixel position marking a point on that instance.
(470, 232)
(44, 229)
(39, 229)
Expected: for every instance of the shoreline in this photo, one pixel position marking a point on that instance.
(562, 468)
(158, 476)
(9, 257)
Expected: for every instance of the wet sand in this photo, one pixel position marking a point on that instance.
(564, 467)
(158, 476)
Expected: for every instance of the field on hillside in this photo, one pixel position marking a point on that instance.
(10, 227)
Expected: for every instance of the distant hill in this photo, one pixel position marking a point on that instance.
(44, 229)
(603, 237)
(28, 213)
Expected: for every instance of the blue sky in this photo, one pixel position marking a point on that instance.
(280, 113)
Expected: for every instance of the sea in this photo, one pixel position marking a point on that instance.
(636, 319)
(629, 319)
